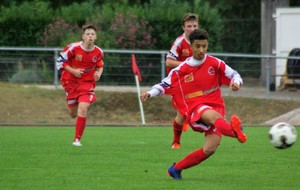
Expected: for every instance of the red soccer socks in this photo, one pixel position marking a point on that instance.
(224, 127)
(191, 159)
(80, 125)
(177, 130)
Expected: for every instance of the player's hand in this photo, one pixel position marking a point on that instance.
(97, 75)
(234, 86)
(144, 96)
(77, 72)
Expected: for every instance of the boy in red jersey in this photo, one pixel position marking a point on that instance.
(195, 87)
(81, 64)
(179, 52)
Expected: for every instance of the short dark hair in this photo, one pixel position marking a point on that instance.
(198, 34)
(189, 17)
(88, 26)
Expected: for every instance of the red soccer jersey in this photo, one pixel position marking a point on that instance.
(197, 82)
(180, 50)
(76, 56)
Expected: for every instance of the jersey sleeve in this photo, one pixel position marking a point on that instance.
(167, 85)
(228, 75)
(64, 56)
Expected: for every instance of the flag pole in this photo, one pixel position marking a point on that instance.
(138, 78)
(140, 102)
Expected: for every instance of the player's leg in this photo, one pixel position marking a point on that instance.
(71, 97)
(73, 110)
(85, 100)
(212, 142)
(177, 129)
(210, 116)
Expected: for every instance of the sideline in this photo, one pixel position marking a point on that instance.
(253, 92)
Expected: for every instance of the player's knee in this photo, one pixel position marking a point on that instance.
(73, 113)
(179, 119)
(82, 112)
(209, 151)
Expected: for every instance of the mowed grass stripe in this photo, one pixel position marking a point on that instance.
(137, 158)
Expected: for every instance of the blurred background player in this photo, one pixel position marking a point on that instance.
(81, 64)
(196, 89)
(179, 52)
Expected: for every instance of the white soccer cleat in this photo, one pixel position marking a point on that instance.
(77, 143)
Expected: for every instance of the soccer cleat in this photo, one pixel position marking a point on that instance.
(175, 145)
(77, 143)
(237, 128)
(174, 173)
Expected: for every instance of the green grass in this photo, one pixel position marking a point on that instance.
(137, 158)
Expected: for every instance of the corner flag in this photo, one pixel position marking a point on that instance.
(138, 79)
(135, 68)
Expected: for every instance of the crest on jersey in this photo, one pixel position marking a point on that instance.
(78, 57)
(95, 59)
(211, 71)
(189, 78)
(185, 52)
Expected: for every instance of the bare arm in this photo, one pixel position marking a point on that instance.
(172, 63)
(234, 86)
(76, 72)
(98, 73)
(144, 96)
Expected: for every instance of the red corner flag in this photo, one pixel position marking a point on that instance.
(135, 68)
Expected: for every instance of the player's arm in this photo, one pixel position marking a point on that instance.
(98, 73)
(172, 63)
(231, 77)
(165, 87)
(236, 81)
(77, 72)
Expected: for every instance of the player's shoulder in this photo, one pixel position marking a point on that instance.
(73, 45)
(98, 49)
(213, 58)
(179, 39)
(70, 47)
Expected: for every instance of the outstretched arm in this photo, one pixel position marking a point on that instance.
(144, 96)
(234, 86)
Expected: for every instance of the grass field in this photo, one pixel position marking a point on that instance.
(137, 158)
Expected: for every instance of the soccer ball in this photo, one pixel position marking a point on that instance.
(282, 135)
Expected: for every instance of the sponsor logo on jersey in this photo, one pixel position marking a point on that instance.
(211, 71)
(185, 52)
(78, 57)
(189, 78)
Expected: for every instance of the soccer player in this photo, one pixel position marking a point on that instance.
(81, 64)
(179, 52)
(195, 87)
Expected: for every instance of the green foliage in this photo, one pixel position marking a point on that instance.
(131, 32)
(60, 33)
(167, 23)
(233, 27)
(211, 20)
(77, 13)
(242, 21)
(21, 25)
(37, 10)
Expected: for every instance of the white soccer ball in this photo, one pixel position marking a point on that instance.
(282, 135)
